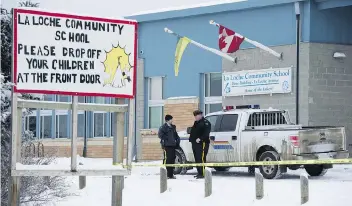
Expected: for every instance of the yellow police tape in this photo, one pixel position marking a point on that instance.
(240, 164)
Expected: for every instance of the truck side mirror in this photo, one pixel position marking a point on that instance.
(189, 130)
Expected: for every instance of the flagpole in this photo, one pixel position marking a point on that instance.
(255, 43)
(215, 51)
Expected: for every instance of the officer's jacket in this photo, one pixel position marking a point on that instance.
(201, 129)
(168, 136)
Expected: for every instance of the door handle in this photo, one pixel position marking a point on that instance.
(212, 138)
(234, 137)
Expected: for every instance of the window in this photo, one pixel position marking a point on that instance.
(81, 125)
(101, 126)
(98, 124)
(212, 92)
(46, 126)
(155, 117)
(263, 119)
(113, 124)
(99, 100)
(46, 119)
(101, 120)
(212, 120)
(61, 126)
(209, 108)
(155, 102)
(63, 98)
(81, 99)
(49, 97)
(32, 125)
(228, 123)
(156, 88)
(213, 84)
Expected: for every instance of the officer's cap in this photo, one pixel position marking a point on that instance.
(197, 112)
(168, 117)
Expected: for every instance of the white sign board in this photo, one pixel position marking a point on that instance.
(254, 82)
(74, 55)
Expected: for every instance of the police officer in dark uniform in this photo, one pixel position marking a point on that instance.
(169, 141)
(199, 137)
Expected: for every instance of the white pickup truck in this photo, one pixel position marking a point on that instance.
(245, 135)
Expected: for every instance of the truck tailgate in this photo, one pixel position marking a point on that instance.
(322, 139)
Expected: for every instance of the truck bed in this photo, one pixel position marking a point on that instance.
(287, 128)
(314, 139)
(322, 139)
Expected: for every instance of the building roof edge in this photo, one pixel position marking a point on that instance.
(212, 7)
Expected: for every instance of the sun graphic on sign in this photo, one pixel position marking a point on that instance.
(117, 67)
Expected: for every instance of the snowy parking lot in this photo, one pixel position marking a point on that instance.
(235, 187)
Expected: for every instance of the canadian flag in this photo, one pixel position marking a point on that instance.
(229, 41)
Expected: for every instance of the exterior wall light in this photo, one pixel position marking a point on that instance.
(339, 55)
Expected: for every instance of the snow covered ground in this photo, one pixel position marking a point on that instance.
(235, 187)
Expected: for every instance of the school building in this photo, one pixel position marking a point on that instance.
(325, 71)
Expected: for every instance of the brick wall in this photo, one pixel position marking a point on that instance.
(181, 109)
(102, 147)
(330, 87)
(151, 145)
(325, 83)
(96, 148)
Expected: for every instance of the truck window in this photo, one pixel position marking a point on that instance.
(212, 120)
(228, 123)
(266, 118)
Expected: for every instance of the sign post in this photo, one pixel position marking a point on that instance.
(74, 55)
(131, 133)
(16, 131)
(117, 159)
(74, 134)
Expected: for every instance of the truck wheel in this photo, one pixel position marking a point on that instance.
(180, 159)
(270, 171)
(222, 169)
(315, 170)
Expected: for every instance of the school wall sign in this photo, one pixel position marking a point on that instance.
(255, 82)
(74, 55)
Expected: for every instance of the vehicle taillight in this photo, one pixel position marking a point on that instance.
(294, 140)
(228, 108)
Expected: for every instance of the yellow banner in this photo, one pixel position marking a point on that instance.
(180, 48)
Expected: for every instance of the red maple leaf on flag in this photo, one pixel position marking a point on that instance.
(229, 42)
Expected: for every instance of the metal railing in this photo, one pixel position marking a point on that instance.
(266, 118)
(31, 150)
